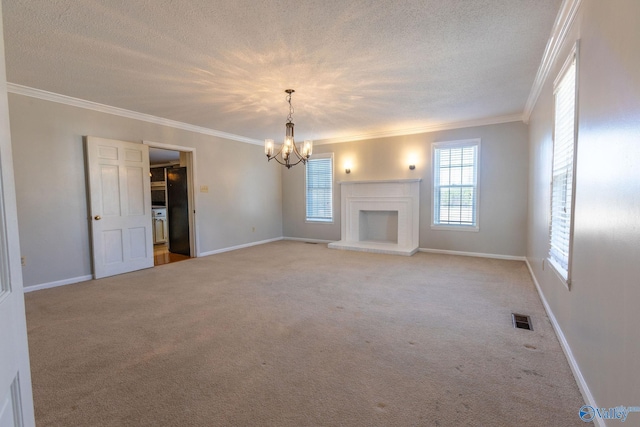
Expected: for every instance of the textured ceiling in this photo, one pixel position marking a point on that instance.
(358, 67)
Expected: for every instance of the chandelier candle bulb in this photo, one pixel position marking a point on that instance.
(268, 147)
(307, 148)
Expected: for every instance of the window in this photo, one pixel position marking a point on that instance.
(562, 180)
(320, 188)
(455, 184)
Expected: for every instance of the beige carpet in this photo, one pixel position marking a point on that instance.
(295, 334)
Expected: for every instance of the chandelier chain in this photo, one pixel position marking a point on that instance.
(290, 116)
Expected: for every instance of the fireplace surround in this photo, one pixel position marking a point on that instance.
(381, 205)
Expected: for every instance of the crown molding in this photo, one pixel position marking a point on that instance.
(423, 129)
(561, 27)
(81, 103)
(89, 105)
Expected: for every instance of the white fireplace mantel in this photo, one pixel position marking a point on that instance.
(401, 196)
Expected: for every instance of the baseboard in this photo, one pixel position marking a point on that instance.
(473, 254)
(90, 277)
(57, 283)
(302, 239)
(564, 344)
(233, 248)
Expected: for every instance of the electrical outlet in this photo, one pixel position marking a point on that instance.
(23, 260)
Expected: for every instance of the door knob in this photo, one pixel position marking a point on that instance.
(97, 217)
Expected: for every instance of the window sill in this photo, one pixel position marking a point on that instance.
(318, 221)
(471, 228)
(560, 273)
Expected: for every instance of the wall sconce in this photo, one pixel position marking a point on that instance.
(412, 161)
(347, 166)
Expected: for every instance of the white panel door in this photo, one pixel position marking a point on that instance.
(16, 401)
(120, 200)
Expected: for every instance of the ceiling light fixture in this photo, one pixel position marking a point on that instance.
(288, 148)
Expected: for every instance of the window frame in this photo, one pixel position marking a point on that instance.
(565, 274)
(443, 145)
(306, 188)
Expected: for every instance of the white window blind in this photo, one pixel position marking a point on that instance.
(455, 183)
(563, 169)
(320, 189)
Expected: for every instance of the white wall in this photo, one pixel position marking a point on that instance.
(244, 190)
(598, 316)
(503, 186)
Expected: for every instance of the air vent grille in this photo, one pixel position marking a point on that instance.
(521, 321)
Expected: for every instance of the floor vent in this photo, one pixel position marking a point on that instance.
(311, 243)
(521, 321)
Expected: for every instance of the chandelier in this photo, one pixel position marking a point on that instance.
(288, 149)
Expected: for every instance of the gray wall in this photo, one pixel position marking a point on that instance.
(503, 186)
(598, 316)
(244, 190)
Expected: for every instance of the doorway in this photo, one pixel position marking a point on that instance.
(172, 202)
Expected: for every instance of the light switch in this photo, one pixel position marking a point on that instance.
(204, 188)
